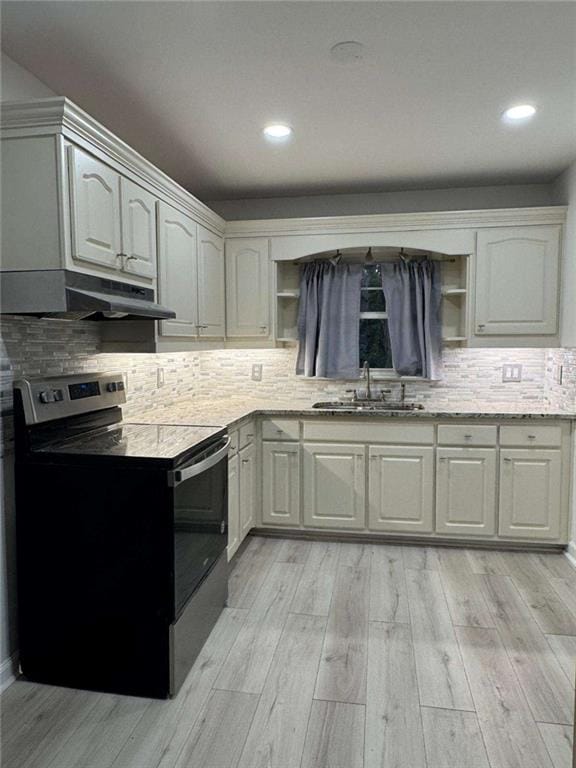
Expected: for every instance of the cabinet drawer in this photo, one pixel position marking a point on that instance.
(246, 434)
(281, 429)
(462, 434)
(397, 433)
(233, 443)
(527, 435)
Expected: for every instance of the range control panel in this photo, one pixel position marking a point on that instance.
(57, 397)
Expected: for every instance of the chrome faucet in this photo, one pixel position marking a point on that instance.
(366, 375)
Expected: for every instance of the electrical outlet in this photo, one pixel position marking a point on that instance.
(159, 377)
(511, 372)
(257, 372)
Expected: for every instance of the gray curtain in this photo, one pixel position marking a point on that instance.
(329, 321)
(413, 300)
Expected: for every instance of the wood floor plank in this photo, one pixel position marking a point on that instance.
(441, 677)
(393, 723)
(217, 739)
(511, 737)
(556, 566)
(246, 579)
(388, 594)
(487, 562)
(559, 742)
(566, 591)
(23, 704)
(564, 649)
(453, 739)
(335, 737)
(278, 732)
(294, 551)
(354, 555)
(421, 558)
(545, 686)
(248, 662)
(164, 727)
(463, 590)
(263, 546)
(314, 592)
(533, 584)
(342, 672)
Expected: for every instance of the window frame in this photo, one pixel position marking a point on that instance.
(377, 373)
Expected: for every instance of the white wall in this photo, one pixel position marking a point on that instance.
(463, 198)
(18, 84)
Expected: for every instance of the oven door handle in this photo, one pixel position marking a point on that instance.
(177, 476)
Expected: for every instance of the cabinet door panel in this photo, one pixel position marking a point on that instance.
(138, 230)
(178, 271)
(517, 281)
(466, 491)
(233, 507)
(247, 473)
(95, 215)
(530, 493)
(211, 287)
(281, 483)
(247, 289)
(401, 488)
(334, 486)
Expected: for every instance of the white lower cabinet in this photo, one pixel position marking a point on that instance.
(530, 493)
(466, 491)
(247, 486)
(334, 485)
(401, 488)
(281, 483)
(233, 507)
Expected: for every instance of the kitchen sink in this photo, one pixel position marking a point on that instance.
(368, 405)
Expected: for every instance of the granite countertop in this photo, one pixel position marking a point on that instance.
(230, 412)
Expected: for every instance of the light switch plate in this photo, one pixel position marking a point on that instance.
(257, 372)
(511, 372)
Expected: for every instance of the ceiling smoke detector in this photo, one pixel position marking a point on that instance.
(347, 52)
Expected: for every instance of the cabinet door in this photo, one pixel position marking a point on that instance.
(247, 289)
(401, 489)
(530, 493)
(334, 485)
(178, 271)
(247, 472)
(281, 483)
(233, 507)
(466, 491)
(517, 281)
(95, 210)
(211, 287)
(138, 230)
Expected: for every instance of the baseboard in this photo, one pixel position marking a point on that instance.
(570, 552)
(9, 671)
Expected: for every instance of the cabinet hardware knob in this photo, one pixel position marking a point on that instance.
(245, 461)
(481, 326)
(531, 437)
(507, 461)
(129, 258)
(467, 437)
(443, 458)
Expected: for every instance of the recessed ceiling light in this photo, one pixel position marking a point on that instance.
(520, 112)
(277, 131)
(347, 52)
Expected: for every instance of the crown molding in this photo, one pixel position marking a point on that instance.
(389, 222)
(59, 115)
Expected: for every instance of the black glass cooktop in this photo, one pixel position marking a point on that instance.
(140, 441)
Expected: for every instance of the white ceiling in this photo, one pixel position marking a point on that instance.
(190, 85)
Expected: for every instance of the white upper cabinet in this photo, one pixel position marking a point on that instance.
(95, 219)
(247, 288)
(211, 287)
(517, 281)
(138, 230)
(177, 241)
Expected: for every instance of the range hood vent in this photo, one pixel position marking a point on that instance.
(65, 295)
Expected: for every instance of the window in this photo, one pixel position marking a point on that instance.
(374, 337)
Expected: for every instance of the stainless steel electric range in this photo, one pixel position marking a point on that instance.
(121, 538)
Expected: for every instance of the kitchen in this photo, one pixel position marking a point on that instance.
(401, 566)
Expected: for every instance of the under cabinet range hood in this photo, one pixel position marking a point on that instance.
(66, 295)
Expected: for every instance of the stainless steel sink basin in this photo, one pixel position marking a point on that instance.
(367, 405)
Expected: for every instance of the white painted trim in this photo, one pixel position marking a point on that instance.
(61, 116)
(570, 552)
(389, 222)
(9, 671)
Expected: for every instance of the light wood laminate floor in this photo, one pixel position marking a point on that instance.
(343, 656)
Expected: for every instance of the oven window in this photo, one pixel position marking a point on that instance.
(200, 509)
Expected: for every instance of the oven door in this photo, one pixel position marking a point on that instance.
(200, 518)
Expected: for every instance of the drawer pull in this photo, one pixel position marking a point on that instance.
(531, 437)
(467, 437)
(279, 431)
(250, 435)
(507, 461)
(443, 458)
